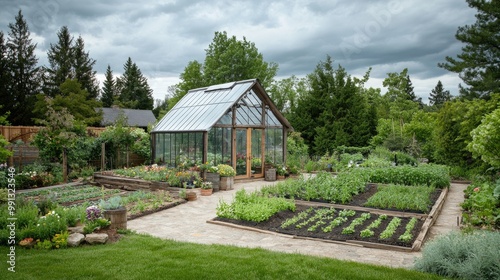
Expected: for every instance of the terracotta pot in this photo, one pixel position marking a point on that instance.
(206, 192)
(191, 196)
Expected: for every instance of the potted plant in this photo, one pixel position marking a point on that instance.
(206, 189)
(115, 212)
(281, 171)
(212, 175)
(227, 174)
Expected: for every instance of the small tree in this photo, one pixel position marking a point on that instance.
(486, 139)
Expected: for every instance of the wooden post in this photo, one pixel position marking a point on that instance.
(65, 166)
(103, 156)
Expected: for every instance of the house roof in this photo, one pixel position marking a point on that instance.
(139, 118)
(201, 108)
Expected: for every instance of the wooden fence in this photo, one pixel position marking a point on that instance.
(26, 133)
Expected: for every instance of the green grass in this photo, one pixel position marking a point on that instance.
(145, 257)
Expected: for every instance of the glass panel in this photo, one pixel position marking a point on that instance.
(241, 151)
(227, 146)
(227, 118)
(219, 146)
(249, 110)
(274, 145)
(271, 119)
(257, 167)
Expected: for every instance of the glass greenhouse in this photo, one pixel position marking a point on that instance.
(234, 123)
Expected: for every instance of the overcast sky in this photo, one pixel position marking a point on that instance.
(161, 37)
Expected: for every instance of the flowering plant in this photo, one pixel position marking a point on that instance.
(281, 170)
(206, 185)
(225, 170)
(93, 213)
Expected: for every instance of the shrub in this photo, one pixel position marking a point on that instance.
(428, 174)
(464, 256)
(482, 207)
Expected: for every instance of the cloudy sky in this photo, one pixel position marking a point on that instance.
(162, 36)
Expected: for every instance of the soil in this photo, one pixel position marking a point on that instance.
(274, 223)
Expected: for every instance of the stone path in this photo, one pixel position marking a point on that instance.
(187, 222)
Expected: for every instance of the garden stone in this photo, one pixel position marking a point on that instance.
(96, 238)
(78, 229)
(75, 239)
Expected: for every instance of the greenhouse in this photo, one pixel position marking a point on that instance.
(233, 123)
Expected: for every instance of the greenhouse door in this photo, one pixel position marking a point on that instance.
(249, 147)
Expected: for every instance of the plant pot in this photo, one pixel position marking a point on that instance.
(281, 177)
(226, 183)
(271, 175)
(214, 178)
(117, 217)
(206, 192)
(191, 196)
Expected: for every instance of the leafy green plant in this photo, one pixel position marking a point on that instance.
(482, 206)
(391, 228)
(414, 198)
(368, 232)
(300, 216)
(112, 203)
(356, 222)
(407, 236)
(253, 207)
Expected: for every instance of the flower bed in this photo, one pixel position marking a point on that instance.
(68, 195)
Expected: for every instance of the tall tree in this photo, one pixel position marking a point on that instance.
(286, 92)
(439, 96)
(134, 91)
(25, 79)
(108, 89)
(227, 59)
(478, 64)
(68, 60)
(60, 57)
(83, 68)
(4, 78)
(333, 112)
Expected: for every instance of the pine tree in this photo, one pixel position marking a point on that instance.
(4, 78)
(133, 88)
(60, 57)
(439, 96)
(68, 60)
(478, 64)
(108, 89)
(25, 80)
(83, 68)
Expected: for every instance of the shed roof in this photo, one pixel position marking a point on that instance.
(201, 108)
(135, 117)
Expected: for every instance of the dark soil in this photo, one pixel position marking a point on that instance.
(274, 223)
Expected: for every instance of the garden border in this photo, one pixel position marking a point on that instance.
(430, 219)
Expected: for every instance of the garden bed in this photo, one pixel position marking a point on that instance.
(323, 227)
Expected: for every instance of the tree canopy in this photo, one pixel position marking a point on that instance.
(227, 59)
(133, 88)
(478, 64)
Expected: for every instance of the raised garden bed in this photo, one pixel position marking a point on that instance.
(323, 227)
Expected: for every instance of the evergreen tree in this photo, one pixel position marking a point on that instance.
(83, 68)
(439, 96)
(108, 89)
(4, 77)
(60, 57)
(333, 112)
(68, 60)
(478, 64)
(134, 91)
(25, 75)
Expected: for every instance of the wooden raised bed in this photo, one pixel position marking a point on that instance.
(108, 180)
(429, 220)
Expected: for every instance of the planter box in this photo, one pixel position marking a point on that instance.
(213, 178)
(117, 217)
(226, 183)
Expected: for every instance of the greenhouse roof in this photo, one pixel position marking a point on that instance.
(201, 108)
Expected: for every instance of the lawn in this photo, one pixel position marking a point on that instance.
(144, 257)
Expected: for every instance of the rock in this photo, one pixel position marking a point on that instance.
(78, 229)
(75, 239)
(96, 238)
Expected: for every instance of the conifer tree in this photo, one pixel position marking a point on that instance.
(133, 88)
(108, 89)
(25, 75)
(439, 96)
